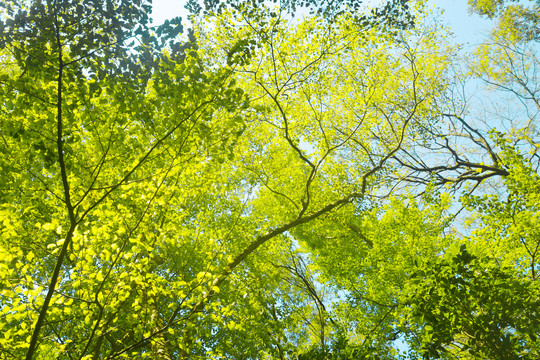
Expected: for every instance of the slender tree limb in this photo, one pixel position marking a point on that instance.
(67, 201)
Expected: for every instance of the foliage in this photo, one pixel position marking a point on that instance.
(395, 12)
(466, 304)
(517, 20)
(262, 187)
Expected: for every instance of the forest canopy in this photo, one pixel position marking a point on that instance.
(278, 180)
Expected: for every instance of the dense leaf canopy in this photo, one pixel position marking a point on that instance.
(267, 185)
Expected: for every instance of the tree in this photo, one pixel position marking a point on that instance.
(476, 165)
(80, 133)
(123, 212)
(260, 188)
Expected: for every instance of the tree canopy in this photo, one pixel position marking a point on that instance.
(288, 180)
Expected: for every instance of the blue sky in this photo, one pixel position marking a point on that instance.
(467, 28)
